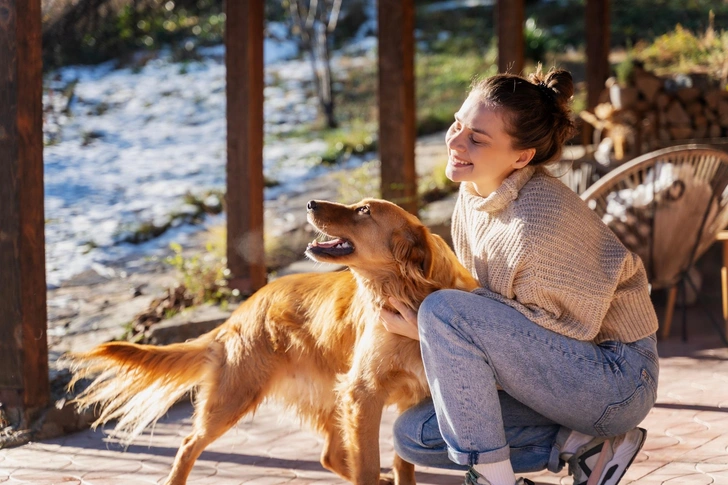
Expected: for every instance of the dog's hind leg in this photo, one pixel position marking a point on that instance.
(333, 456)
(213, 420)
(218, 407)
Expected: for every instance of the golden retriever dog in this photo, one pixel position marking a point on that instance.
(312, 342)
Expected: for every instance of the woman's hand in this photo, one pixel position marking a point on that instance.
(403, 323)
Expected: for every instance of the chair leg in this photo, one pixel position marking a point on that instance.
(724, 284)
(669, 310)
(724, 291)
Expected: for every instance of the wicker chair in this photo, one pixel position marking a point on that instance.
(578, 175)
(667, 206)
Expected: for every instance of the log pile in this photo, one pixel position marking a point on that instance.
(650, 112)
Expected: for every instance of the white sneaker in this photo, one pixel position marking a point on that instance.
(605, 461)
(475, 478)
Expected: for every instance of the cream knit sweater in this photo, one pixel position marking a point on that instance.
(535, 245)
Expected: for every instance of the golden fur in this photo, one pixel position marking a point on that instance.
(310, 341)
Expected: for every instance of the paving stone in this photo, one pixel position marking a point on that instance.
(44, 477)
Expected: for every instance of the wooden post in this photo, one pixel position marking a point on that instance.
(244, 199)
(23, 317)
(596, 26)
(509, 17)
(397, 121)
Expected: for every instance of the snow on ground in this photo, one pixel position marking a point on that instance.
(130, 143)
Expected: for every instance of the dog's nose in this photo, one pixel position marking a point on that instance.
(311, 206)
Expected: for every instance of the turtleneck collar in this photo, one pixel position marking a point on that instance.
(503, 195)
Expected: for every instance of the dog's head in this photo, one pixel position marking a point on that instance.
(370, 234)
(391, 251)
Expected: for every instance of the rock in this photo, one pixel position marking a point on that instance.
(90, 277)
(186, 325)
(63, 419)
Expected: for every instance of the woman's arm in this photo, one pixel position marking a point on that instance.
(403, 323)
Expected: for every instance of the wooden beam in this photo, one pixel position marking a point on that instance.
(596, 26)
(244, 199)
(397, 121)
(23, 343)
(511, 45)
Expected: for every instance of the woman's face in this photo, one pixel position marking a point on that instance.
(479, 149)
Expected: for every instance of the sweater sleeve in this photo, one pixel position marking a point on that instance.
(578, 274)
(631, 303)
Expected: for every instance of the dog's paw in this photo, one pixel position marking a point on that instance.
(386, 479)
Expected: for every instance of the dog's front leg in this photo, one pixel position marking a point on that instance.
(361, 414)
(404, 471)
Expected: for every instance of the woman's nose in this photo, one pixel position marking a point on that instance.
(454, 141)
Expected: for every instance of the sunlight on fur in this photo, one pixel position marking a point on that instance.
(311, 342)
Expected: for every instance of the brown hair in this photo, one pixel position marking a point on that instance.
(536, 109)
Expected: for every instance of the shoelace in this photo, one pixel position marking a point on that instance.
(471, 478)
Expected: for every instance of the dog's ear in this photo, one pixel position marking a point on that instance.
(411, 248)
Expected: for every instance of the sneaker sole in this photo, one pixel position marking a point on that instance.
(599, 468)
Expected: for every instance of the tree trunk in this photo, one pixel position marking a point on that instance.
(315, 20)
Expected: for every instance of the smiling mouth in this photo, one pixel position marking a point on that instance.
(333, 248)
(458, 162)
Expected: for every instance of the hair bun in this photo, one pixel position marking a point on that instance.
(558, 82)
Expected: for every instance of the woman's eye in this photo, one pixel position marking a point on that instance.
(479, 142)
(363, 209)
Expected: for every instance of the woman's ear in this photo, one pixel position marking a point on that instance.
(525, 157)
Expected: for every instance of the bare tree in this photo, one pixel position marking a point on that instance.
(314, 21)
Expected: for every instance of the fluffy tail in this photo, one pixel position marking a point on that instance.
(137, 384)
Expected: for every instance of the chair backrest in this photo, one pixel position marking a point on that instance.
(578, 175)
(667, 206)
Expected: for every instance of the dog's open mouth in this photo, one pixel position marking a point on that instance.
(335, 247)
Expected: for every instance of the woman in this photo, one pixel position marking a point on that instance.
(553, 360)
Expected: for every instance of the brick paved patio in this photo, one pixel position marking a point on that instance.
(687, 442)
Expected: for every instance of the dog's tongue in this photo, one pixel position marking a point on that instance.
(328, 244)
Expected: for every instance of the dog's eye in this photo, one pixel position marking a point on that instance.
(363, 210)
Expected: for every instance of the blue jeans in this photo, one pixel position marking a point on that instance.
(551, 384)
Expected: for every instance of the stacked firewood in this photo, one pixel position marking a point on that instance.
(651, 112)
